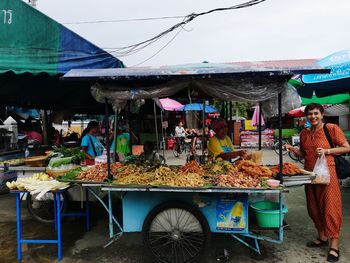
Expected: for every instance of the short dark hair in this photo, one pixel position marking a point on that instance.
(313, 106)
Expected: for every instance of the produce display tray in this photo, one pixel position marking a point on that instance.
(298, 177)
(134, 188)
(80, 182)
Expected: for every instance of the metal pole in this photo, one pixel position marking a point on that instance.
(259, 125)
(163, 140)
(203, 126)
(110, 177)
(231, 121)
(280, 176)
(115, 134)
(156, 125)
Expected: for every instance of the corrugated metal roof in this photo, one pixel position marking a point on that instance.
(290, 63)
(337, 110)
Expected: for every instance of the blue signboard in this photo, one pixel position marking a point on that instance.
(338, 63)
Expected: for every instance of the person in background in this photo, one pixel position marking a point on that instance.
(323, 201)
(33, 136)
(180, 135)
(221, 145)
(122, 144)
(90, 145)
(149, 154)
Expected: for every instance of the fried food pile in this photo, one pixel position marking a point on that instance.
(98, 173)
(163, 176)
(288, 169)
(246, 174)
(237, 179)
(252, 169)
(192, 167)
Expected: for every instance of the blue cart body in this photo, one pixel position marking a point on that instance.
(225, 213)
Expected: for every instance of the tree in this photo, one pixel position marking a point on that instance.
(239, 108)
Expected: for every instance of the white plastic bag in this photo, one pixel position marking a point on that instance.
(321, 171)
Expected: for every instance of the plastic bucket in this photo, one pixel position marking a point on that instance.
(170, 143)
(267, 213)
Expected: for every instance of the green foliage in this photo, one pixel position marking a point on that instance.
(76, 154)
(242, 107)
(71, 175)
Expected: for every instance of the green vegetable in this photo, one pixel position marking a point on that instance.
(71, 175)
(76, 153)
(56, 162)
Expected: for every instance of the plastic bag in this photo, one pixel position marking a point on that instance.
(321, 171)
(290, 100)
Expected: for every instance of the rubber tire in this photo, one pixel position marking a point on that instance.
(276, 148)
(37, 217)
(3, 188)
(176, 204)
(293, 156)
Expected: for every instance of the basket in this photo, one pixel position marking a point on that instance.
(267, 213)
(59, 172)
(36, 161)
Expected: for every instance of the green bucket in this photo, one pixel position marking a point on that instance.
(267, 213)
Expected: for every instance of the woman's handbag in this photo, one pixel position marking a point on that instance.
(342, 166)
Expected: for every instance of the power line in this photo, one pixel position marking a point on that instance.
(123, 20)
(132, 49)
(167, 44)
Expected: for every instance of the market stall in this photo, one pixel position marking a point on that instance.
(191, 201)
(203, 201)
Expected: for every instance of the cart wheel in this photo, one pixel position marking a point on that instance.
(43, 210)
(176, 233)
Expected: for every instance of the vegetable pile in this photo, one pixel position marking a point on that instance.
(39, 183)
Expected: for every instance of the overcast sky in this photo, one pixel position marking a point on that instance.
(275, 29)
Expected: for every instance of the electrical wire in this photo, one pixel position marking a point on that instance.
(132, 49)
(123, 20)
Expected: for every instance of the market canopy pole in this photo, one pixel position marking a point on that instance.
(110, 177)
(115, 134)
(203, 126)
(260, 120)
(280, 175)
(156, 125)
(231, 121)
(163, 140)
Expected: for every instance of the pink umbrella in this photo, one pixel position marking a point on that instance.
(298, 112)
(170, 105)
(255, 120)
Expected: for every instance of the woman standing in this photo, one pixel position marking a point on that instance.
(90, 145)
(323, 201)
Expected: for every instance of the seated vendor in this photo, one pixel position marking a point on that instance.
(221, 145)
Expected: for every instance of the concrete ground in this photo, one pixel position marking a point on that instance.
(80, 246)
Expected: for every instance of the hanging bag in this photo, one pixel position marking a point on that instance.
(342, 166)
(321, 171)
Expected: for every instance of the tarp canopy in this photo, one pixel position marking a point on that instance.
(227, 82)
(35, 51)
(34, 43)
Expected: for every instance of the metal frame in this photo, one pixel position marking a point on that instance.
(251, 235)
(57, 222)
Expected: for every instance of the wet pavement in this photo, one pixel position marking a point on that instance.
(80, 246)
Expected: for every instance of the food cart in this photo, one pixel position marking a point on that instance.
(158, 211)
(176, 221)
